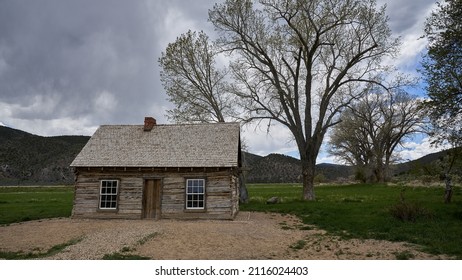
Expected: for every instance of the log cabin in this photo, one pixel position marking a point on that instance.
(153, 171)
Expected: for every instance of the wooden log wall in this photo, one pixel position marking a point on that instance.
(222, 196)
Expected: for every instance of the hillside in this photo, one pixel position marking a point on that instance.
(30, 159)
(429, 165)
(277, 168)
(274, 168)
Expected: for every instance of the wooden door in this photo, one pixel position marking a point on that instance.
(151, 199)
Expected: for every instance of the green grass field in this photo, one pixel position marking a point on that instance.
(351, 211)
(19, 204)
(365, 211)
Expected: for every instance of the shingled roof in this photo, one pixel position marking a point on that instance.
(188, 145)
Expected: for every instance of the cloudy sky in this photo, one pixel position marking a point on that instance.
(67, 67)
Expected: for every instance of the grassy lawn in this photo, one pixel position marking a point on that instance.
(365, 211)
(19, 204)
(351, 211)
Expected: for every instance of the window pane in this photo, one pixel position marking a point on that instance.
(108, 194)
(195, 190)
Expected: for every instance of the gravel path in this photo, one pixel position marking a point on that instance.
(250, 236)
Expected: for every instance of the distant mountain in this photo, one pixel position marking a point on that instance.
(428, 165)
(30, 159)
(277, 168)
(334, 172)
(273, 168)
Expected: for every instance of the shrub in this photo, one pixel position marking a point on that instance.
(120, 256)
(408, 211)
(320, 178)
(300, 244)
(405, 255)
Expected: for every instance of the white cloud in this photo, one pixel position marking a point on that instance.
(174, 23)
(407, 20)
(44, 105)
(45, 127)
(5, 111)
(416, 149)
(62, 126)
(105, 103)
(278, 140)
(411, 51)
(327, 158)
(411, 150)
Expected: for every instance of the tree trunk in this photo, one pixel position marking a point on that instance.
(378, 172)
(308, 168)
(243, 194)
(448, 189)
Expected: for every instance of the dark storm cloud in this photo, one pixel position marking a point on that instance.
(72, 58)
(68, 66)
(98, 59)
(404, 15)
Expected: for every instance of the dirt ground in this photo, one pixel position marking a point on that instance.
(250, 236)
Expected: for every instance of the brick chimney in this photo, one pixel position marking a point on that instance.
(149, 123)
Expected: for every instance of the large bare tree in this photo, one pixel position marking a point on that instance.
(300, 63)
(193, 81)
(371, 130)
(196, 85)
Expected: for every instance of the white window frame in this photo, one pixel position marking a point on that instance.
(110, 199)
(192, 199)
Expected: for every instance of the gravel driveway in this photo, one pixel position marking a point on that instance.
(250, 236)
